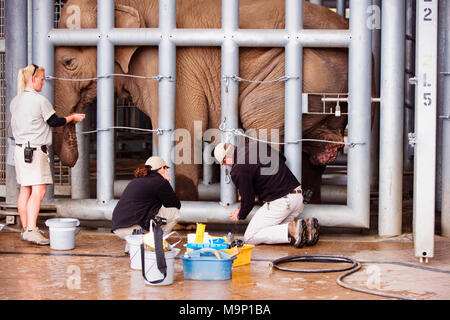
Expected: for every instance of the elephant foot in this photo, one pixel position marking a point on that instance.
(321, 153)
(327, 155)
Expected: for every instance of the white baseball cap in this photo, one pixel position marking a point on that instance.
(221, 150)
(156, 163)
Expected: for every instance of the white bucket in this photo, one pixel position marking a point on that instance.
(152, 272)
(134, 242)
(62, 233)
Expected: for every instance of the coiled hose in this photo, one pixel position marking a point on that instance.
(322, 258)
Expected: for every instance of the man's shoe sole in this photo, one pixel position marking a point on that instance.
(313, 227)
(302, 234)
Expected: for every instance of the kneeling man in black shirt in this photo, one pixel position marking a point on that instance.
(259, 170)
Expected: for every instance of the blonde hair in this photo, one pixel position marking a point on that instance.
(25, 75)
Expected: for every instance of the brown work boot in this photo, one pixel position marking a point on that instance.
(35, 236)
(312, 231)
(297, 232)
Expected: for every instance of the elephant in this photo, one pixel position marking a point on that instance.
(198, 79)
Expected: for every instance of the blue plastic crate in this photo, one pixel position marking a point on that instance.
(203, 265)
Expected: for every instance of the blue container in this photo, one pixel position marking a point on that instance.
(203, 265)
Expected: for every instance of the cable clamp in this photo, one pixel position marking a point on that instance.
(413, 81)
(412, 139)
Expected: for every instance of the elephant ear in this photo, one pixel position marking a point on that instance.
(126, 17)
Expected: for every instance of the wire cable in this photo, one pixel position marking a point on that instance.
(355, 266)
(238, 132)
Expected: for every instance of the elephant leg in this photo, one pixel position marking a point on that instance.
(312, 178)
(191, 123)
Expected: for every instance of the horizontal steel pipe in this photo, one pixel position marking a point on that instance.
(75, 37)
(137, 36)
(197, 37)
(325, 38)
(211, 192)
(333, 194)
(84, 209)
(260, 38)
(209, 212)
(335, 216)
(200, 37)
(191, 211)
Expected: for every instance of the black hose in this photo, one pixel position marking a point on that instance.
(355, 266)
(315, 258)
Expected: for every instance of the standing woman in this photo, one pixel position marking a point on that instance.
(32, 117)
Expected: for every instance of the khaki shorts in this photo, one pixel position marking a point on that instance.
(34, 173)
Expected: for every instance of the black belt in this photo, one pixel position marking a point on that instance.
(44, 147)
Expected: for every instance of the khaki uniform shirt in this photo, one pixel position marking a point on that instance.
(29, 113)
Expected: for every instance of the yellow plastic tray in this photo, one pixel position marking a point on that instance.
(244, 256)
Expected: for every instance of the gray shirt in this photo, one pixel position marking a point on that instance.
(29, 113)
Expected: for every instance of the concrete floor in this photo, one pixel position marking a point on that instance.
(98, 269)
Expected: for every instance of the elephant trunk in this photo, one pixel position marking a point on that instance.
(65, 145)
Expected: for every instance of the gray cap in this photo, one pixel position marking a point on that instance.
(156, 163)
(221, 150)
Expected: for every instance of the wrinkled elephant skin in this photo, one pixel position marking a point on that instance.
(198, 76)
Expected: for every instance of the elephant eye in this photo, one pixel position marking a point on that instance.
(69, 63)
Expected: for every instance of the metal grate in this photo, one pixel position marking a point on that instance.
(2, 19)
(2, 99)
(62, 175)
(2, 120)
(58, 7)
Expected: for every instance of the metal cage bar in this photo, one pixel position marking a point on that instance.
(425, 128)
(445, 118)
(230, 37)
(391, 118)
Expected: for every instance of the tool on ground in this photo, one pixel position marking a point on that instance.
(158, 245)
(237, 243)
(200, 233)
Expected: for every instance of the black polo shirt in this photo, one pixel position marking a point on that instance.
(259, 170)
(141, 200)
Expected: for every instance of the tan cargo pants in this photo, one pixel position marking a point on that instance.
(172, 216)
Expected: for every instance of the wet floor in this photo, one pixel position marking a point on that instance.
(98, 269)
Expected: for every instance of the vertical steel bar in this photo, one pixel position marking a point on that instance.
(375, 133)
(408, 151)
(440, 103)
(391, 118)
(445, 210)
(359, 120)
(293, 87)
(166, 89)
(80, 172)
(105, 103)
(43, 56)
(425, 129)
(341, 7)
(16, 58)
(208, 169)
(229, 90)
